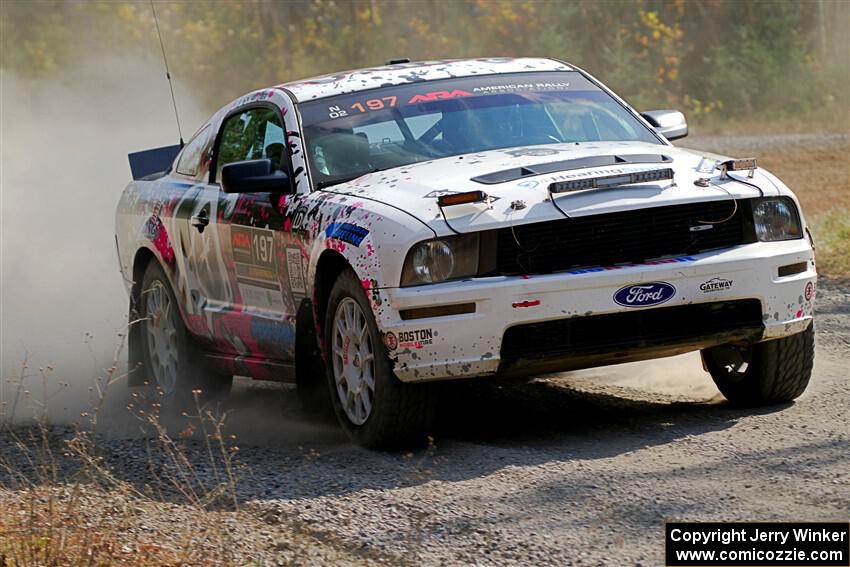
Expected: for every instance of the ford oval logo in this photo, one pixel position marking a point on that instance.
(645, 294)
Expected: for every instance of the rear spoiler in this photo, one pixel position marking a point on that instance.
(148, 162)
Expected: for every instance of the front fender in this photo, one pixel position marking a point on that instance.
(371, 236)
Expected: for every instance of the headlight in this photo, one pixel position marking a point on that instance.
(441, 259)
(776, 219)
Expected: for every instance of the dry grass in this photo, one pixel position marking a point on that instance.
(821, 180)
(832, 240)
(75, 525)
(833, 121)
(819, 176)
(61, 505)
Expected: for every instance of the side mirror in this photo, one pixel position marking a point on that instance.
(253, 176)
(669, 123)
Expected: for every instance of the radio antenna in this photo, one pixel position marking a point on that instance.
(167, 74)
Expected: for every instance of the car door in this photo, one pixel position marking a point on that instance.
(189, 180)
(249, 309)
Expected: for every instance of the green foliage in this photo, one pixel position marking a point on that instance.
(34, 39)
(761, 58)
(764, 65)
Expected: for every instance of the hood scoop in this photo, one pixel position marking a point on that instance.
(516, 173)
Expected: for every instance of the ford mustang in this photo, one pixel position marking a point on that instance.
(369, 233)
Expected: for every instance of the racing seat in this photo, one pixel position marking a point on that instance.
(345, 154)
(458, 134)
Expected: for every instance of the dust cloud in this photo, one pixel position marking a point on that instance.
(63, 164)
(676, 377)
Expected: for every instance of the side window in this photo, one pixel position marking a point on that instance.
(253, 134)
(190, 157)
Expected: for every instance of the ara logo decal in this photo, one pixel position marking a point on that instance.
(438, 95)
(715, 284)
(644, 295)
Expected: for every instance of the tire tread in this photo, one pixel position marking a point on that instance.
(780, 371)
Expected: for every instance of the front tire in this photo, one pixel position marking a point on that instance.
(372, 405)
(173, 364)
(766, 373)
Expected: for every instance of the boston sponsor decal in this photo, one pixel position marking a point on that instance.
(715, 284)
(409, 339)
(645, 294)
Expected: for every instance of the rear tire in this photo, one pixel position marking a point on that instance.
(766, 373)
(172, 363)
(372, 405)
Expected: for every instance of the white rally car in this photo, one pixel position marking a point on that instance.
(369, 233)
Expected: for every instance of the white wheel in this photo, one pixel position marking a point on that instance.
(353, 361)
(371, 404)
(162, 327)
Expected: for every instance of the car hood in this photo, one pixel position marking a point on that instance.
(415, 187)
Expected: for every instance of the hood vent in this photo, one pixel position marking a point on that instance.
(516, 173)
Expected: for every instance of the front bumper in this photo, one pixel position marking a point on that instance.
(471, 344)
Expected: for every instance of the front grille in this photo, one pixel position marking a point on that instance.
(621, 237)
(645, 328)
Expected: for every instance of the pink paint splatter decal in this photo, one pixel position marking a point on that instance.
(156, 232)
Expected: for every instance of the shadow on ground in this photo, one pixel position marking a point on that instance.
(482, 427)
(524, 424)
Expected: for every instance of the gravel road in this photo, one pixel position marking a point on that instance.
(580, 468)
(583, 468)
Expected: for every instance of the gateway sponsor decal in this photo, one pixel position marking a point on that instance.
(715, 284)
(644, 295)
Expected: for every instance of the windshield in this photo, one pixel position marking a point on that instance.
(349, 135)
